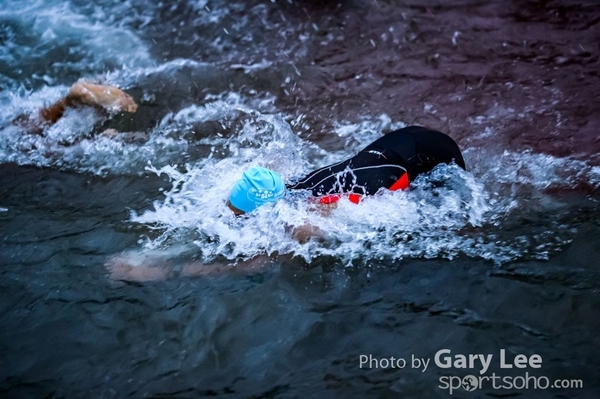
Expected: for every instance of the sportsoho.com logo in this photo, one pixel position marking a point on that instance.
(470, 383)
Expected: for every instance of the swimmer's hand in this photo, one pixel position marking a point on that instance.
(304, 233)
(110, 98)
(136, 268)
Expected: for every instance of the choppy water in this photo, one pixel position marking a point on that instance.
(502, 256)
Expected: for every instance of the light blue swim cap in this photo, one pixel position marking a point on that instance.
(256, 187)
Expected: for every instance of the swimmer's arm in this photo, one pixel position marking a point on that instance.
(251, 266)
(108, 98)
(147, 268)
(47, 116)
(50, 115)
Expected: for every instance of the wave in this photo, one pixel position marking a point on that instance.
(55, 42)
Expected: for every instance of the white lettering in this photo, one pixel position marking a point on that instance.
(520, 361)
(416, 363)
(425, 363)
(535, 361)
(375, 363)
(363, 359)
(444, 381)
(460, 362)
(503, 364)
(444, 360)
(485, 362)
(447, 360)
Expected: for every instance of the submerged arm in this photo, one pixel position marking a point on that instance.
(155, 266)
(251, 266)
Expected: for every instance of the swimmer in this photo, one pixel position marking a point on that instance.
(390, 162)
(81, 94)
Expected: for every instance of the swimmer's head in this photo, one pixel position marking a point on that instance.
(256, 187)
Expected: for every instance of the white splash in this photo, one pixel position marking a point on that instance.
(448, 213)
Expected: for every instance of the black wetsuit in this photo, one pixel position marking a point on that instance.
(414, 150)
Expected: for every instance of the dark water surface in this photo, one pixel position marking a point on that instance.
(505, 257)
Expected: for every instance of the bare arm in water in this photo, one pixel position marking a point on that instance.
(145, 267)
(155, 265)
(81, 94)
